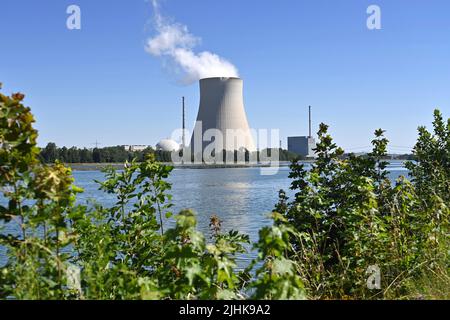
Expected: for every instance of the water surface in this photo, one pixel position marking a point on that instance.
(241, 197)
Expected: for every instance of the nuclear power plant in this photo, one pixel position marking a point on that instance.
(221, 119)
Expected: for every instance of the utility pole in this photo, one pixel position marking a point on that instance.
(96, 143)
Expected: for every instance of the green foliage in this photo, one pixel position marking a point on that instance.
(118, 154)
(127, 242)
(277, 277)
(195, 269)
(39, 197)
(349, 217)
(68, 251)
(345, 217)
(431, 172)
(284, 155)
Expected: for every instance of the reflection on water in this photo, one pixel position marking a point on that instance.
(241, 197)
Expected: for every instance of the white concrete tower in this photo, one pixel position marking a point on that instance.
(221, 108)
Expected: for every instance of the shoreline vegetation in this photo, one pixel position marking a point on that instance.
(119, 166)
(119, 154)
(347, 233)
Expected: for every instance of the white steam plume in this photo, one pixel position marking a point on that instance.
(174, 41)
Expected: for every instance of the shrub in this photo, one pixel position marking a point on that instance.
(350, 218)
(68, 251)
(345, 220)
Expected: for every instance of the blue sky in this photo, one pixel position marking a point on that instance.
(98, 83)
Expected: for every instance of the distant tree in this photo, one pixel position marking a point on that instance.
(63, 154)
(50, 153)
(73, 155)
(117, 154)
(85, 156)
(96, 155)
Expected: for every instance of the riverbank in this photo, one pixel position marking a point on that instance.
(100, 166)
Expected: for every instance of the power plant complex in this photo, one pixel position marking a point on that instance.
(221, 118)
(222, 123)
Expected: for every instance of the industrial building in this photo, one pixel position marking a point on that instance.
(135, 147)
(221, 108)
(303, 145)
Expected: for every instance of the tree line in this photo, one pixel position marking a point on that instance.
(118, 154)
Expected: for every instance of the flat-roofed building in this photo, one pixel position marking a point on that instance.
(135, 148)
(302, 146)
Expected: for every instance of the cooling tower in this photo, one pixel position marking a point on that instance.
(222, 108)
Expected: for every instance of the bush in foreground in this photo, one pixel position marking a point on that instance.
(66, 251)
(352, 223)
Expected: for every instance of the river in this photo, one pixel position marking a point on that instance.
(241, 197)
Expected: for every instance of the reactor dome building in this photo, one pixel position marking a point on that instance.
(221, 119)
(167, 145)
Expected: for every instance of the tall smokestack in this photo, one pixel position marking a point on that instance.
(310, 135)
(184, 126)
(222, 108)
